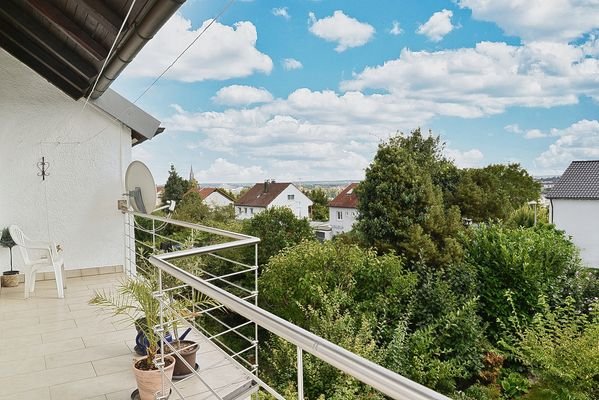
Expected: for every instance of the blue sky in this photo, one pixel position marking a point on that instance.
(305, 90)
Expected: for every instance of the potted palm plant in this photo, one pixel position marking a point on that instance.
(9, 278)
(134, 300)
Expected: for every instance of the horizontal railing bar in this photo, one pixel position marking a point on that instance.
(210, 248)
(203, 228)
(382, 379)
(231, 274)
(232, 261)
(216, 277)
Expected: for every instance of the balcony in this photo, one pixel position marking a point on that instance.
(66, 349)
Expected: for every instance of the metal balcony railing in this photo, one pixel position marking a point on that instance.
(229, 293)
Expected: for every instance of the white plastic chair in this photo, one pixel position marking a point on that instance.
(38, 257)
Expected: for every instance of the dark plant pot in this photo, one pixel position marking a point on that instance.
(10, 279)
(188, 354)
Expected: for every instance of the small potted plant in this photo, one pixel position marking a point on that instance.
(135, 301)
(9, 278)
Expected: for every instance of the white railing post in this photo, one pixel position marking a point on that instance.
(300, 374)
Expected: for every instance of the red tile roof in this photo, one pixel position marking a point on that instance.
(257, 196)
(347, 198)
(207, 191)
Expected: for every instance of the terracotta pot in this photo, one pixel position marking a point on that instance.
(188, 354)
(150, 382)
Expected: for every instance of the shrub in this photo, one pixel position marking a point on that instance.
(561, 349)
(529, 262)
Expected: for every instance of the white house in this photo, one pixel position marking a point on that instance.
(343, 210)
(215, 197)
(62, 164)
(272, 194)
(575, 207)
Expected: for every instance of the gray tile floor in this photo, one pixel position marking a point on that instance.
(65, 349)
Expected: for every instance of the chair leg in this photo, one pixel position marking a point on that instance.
(59, 280)
(32, 284)
(64, 277)
(27, 283)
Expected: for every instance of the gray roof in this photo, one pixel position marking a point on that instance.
(579, 181)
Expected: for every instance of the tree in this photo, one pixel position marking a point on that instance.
(175, 186)
(191, 208)
(494, 192)
(277, 228)
(320, 208)
(402, 204)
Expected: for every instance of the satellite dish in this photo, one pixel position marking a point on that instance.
(141, 187)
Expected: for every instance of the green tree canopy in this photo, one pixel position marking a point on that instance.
(401, 200)
(277, 228)
(320, 208)
(191, 208)
(175, 186)
(494, 192)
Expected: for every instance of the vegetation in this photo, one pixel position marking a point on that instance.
(175, 186)
(320, 208)
(401, 201)
(501, 309)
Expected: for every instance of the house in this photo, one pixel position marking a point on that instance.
(63, 158)
(215, 197)
(272, 194)
(574, 207)
(343, 210)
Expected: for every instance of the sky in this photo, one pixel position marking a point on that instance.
(305, 90)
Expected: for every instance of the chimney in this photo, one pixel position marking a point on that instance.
(266, 184)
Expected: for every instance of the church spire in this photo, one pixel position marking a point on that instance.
(191, 175)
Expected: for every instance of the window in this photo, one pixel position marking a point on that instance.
(239, 210)
(290, 197)
(339, 215)
(251, 210)
(245, 210)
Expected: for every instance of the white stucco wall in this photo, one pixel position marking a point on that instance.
(87, 153)
(245, 212)
(216, 199)
(347, 221)
(299, 204)
(579, 219)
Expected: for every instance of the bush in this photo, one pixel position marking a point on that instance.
(561, 348)
(529, 262)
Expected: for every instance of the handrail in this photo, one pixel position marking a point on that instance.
(386, 381)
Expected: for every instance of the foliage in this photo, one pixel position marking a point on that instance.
(335, 322)
(320, 208)
(191, 208)
(514, 385)
(438, 346)
(529, 262)
(372, 282)
(525, 216)
(493, 192)
(401, 200)
(175, 186)
(134, 300)
(560, 347)
(278, 228)
(6, 240)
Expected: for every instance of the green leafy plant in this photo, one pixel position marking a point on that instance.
(134, 300)
(514, 385)
(7, 241)
(560, 347)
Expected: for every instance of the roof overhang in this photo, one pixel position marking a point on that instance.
(67, 41)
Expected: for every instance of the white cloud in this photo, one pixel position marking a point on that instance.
(291, 63)
(533, 20)
(513, 128)
(486, 79)
(346, 31)
(465, 159)
(241, 95)
(395, 29)
(579, 141)
(281, 12)
(438, 25)
(223, 52)
(222, 170)
(531, 133)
